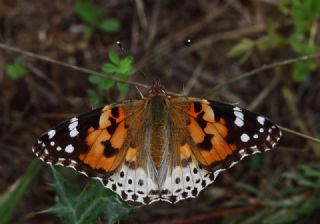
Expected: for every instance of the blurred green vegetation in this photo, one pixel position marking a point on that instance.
(92, 204)
(304, 14)
(16, 70)
(292, 202)
(9, 200)
(121, 68)
(92, 15)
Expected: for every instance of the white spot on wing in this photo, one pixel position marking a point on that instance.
(59, 148)
(74, 133)
(268, 138)
(73, 127)
(238, 114)
(237, 109)
(51, 133)
(261, 120)
(52, 143)
(73, 119)
(239, 122)
(255, 136)
(69, 148)
(244, 137)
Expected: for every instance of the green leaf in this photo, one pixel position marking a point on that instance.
(110, 25)
(301, 70)
(16, 70)
(126, 62)
(131, 71)
(272, 41)
(109, 68)
(94, 79)
(93, 203)
(88, 12)
(241, 48)
(10, 199)
(122, 210)
(106, 84)
(122, 87)
(114, 58)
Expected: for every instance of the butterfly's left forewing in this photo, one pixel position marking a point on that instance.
(89, 143)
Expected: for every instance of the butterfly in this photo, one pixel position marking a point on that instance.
(160, 147)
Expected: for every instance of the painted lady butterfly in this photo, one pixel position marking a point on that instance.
(160, 147)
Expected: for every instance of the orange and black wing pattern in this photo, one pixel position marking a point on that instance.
(90, 143)
(223, 134)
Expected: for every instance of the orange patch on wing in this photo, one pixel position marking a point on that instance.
(191, 110)
(96, 150)
(221, 147)
(91, 129)
(220, 150)
(117, 139)
(195, 131)
(104, 121)
(122, 114)
(185, 151)
(216, 129)
(233, 147)
(222, 121)
(131, 154)
(208, 113)
(93, 136)
(210, 157)
(108, 164)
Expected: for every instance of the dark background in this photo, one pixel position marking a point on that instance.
(155, 34)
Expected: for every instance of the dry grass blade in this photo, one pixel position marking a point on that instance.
(260, 69)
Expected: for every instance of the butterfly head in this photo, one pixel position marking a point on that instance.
(157, 90)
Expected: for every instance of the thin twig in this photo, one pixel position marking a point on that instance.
(290, 99)
(260, 69)
(141, 14)
(74, 67)
(153, 27)
(299, 134)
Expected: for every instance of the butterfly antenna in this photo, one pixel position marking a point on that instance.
(140, 93)
(125, 53)
(122, 49)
